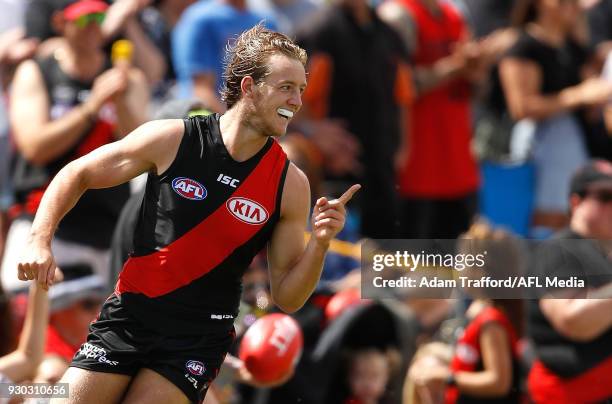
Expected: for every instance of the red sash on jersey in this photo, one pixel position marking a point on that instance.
(209, 243)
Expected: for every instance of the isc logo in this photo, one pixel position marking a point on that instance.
(247, 211)
(188, 188)
(227, 180)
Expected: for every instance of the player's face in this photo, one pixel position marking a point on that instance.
(279, 96)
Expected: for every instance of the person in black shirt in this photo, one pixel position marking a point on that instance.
(572, 327)
(62, 107)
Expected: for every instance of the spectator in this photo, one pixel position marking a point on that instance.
(74, 304)
(122, 21)
(485, 364)
(288, 14)
(541, 79)
(438, 175)
(358, 83)
(21, 364)
(600, 28)
(199, 41)
(62, 107)
(572, 335)
(157, 21)
(13, 50)
(368, 373)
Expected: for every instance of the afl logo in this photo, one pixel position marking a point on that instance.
(188, 188)
(196, 368)
(247, 211)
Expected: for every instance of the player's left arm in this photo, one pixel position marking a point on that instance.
(295, 268)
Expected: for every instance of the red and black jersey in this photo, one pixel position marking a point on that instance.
(468, 357)
(98, 208)
(201, 223)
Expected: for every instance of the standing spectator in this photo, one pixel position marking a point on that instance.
(358, 81)
(542, 81)
(199, 41)
(62, 107)
(13, 50)
(438, 175)
(158, 21)
(600, 27)
(572, 335)
(288, 14)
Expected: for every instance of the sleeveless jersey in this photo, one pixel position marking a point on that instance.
(98, 208)
(468, 357)
(440, 163)
(201, 223)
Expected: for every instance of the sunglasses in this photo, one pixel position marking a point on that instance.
(602, 196)
(86, 19)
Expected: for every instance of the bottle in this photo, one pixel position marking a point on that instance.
(122, 53)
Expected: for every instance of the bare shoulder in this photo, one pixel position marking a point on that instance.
(159, 131)
(296, 193)
(158, 140)
(28, 72)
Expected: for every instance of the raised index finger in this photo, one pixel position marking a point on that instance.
(346, 197)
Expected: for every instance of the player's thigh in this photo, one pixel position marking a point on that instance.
(149, 386)
(89, 387)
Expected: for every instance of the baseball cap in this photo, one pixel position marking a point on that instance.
(79, 283)
(75, 9)
(596, 172)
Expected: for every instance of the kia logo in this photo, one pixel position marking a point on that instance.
(196, 368)
(188, 188)
(247, 211)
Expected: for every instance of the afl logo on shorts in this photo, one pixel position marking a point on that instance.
(188, 188)
(247, 211)
(196, 368)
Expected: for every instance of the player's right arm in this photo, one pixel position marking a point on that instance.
(151, 147)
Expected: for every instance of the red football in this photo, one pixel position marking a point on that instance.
(271, 347)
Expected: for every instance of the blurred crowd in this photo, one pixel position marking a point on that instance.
(459, 118)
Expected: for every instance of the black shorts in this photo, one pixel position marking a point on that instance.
(119, 343)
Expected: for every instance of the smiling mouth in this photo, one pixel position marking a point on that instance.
(285, 113)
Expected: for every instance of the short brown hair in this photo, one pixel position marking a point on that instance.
(248, 56)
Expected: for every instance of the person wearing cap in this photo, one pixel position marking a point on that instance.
(73, 305)
(571, 328)
(219, 190)
(62, 107)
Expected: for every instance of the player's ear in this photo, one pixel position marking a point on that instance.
(247, 86)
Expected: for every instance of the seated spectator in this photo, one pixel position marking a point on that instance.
(74, 304)
(485, 363)
(21, 364)
(572, 328)
(368, 373)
